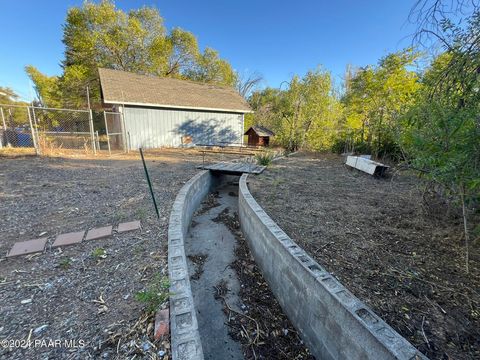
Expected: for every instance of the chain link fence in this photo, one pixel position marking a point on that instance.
(114, 132)
(50, 130)
(59, 129)
(16, 128)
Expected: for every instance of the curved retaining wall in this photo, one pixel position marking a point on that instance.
(185, 338)
(331, 320)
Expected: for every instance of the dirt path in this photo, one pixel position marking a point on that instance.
(403, 258)
(85, 293)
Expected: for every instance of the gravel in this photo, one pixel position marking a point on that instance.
(79, 302)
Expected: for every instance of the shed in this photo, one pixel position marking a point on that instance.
(258, 136)
(167, 112)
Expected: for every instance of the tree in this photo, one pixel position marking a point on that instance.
(247, 83)
(376, 99)
(100, 35)
(442, 129)
(209, 68)
(266, 104)
(46, 87)
(305, 115)
(12, 115)
(8, 95)
(431, 17)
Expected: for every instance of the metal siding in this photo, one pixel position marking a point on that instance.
(150, 128)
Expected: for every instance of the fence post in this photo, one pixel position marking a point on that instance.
(92, 134)
(3, 120)
(10, 121)
(36, 127)
(4, 128)
(98, 140)
(123, 127)
(106, 130)
(32, 129)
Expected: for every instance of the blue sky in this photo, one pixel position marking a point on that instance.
(274, 38)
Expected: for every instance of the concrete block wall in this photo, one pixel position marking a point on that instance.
(185, 338)
(332, 321)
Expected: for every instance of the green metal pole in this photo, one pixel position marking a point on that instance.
(149, 183)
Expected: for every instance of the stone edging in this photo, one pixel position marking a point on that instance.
(331, 320)
(185, 337)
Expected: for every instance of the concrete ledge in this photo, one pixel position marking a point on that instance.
(185, 338)
(331, 320)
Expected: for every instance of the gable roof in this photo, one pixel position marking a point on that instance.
(121, 87)
(260, 130)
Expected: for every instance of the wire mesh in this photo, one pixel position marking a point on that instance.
(53, 130)
(15, 129)
(64, 129)
(114, 132)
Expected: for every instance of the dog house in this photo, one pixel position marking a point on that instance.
(259, 136)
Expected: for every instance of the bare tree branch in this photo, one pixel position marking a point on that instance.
(431, 16)
(246, 84)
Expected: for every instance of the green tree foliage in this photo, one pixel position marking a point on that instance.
(100, 35)
(13, 116)
(46, 87)
(8, 95)
(442, 129)
(209, 68)
(375, 100)
(305, 115)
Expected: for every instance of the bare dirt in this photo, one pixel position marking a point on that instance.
(396, 247)
(77, 294)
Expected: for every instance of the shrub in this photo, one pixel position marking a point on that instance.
(264, 158)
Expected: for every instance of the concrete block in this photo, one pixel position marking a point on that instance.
(187, 349)
(185, 338)
(330, 319)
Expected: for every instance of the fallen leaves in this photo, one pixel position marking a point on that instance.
(102, 308)
(263, 329)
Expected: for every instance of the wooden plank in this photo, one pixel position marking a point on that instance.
(239, 167)
(235, 168)
(258, 170)
(228, 167)
(216, 166)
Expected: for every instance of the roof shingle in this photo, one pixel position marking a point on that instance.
(260, 130)
(121, 87)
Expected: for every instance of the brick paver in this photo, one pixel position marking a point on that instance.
(98, 233)
(28, 247)
(68, 239)
(162, 323)
(129, 226)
